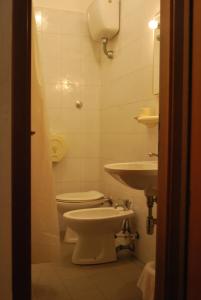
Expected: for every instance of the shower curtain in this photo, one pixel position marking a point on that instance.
(45, 233)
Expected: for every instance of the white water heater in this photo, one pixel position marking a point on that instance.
(103, 19)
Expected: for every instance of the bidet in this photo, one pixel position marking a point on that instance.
(96, 229)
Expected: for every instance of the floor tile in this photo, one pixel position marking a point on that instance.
(66, 281)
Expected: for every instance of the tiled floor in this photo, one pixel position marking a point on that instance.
(65, 281)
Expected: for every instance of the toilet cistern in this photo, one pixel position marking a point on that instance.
(104, 22)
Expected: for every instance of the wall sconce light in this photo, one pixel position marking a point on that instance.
(38, 19)
(154, 24)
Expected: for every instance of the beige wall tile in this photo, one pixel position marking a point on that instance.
(126, 89)
(70, 5)
(71, 72)
(112, 91)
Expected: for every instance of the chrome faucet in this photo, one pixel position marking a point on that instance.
(152, 154)
(126, 204)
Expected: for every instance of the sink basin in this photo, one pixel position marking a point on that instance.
(141, 175)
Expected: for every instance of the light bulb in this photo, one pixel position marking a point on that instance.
(38, 18)
(153, 24)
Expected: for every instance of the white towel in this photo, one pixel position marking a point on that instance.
(146, 282)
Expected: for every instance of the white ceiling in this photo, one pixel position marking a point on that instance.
(74, 5)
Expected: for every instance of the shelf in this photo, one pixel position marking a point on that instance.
(149, 121)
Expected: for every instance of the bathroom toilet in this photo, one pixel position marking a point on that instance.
(96, 228)
(74, 201)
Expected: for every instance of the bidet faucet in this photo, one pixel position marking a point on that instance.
(126, 204)
(152, 154)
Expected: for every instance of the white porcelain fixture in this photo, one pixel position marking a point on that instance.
(96, 228)
(146, 282)
(103, 19)
(104, 22)
(73, 201)
(140, 175)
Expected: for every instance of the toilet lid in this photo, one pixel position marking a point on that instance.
(80, 197)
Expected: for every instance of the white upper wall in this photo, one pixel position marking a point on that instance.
(73, 5)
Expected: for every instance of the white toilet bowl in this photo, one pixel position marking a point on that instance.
(96, 228)
(73, 201)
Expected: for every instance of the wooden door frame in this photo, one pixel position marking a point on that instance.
(194, 243)
(174, 152)
(173, 149)
(21, 150)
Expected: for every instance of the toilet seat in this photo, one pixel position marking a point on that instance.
(81, 197)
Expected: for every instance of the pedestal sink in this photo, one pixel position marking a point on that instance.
(141, 175)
